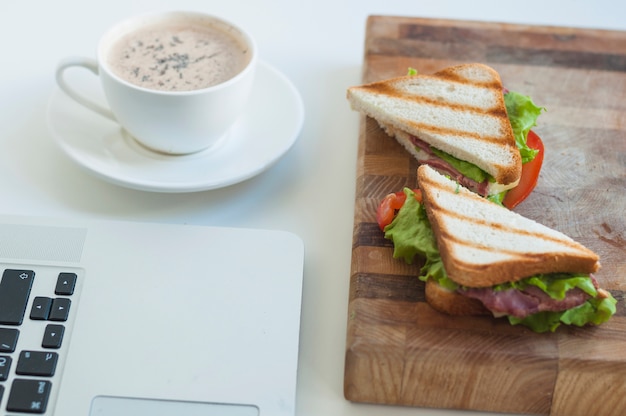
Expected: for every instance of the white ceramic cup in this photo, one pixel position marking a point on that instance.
(172, 122)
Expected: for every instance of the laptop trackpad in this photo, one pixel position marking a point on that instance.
(121, 406)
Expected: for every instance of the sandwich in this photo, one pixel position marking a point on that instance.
(460, 121)
(481, 258)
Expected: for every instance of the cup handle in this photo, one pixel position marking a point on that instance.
(91, 65)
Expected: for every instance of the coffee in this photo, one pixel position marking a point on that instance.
(178, 56)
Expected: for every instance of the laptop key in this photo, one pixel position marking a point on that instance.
(66, 282)
(8, 339)
(29, 396)
(60, 310)
(53, 336)
(14, 291)
(41, 308)
(37, 363)
(5, 367)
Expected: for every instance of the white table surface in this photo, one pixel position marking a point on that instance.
(319, 46)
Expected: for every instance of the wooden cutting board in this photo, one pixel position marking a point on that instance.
(401, 352)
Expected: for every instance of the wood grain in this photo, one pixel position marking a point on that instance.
(401, 352)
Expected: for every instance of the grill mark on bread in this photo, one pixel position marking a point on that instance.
(498, 112)
(434, 206)
(388, 89)
(497, 226)
(495, 140)
(515, 253)
(453, 77)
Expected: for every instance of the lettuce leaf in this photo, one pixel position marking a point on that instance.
(466, 168)
(554, 285)
(410, 231)
(412, 236)
(523, 114)
(595, 311)
(497, 198)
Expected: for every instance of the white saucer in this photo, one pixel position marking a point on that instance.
(269, 127)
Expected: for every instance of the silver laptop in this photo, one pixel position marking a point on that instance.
(121, 318)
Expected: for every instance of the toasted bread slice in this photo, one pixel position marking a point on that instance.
(452, 303)
(459, 110)
(483, 244)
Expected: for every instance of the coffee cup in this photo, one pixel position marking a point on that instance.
(176, 81)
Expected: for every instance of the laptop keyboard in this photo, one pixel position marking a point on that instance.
(36, 305)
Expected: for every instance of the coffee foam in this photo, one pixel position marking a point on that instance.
(178, 55)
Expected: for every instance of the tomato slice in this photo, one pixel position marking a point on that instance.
(530, 174)
(390, 205)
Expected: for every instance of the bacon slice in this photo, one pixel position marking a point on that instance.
(531, 300)
(446, 168)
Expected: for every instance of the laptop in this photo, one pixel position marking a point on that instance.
(130, 318)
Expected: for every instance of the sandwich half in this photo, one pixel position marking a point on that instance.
(482, 258)
(456, 121)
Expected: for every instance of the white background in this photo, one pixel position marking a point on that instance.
(319, 46)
